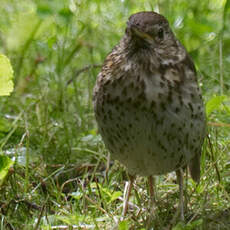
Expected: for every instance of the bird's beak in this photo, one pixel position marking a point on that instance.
(141, 34)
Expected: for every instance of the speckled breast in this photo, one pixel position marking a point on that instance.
(153, 123)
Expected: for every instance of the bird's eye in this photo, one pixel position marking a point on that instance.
(160, 33)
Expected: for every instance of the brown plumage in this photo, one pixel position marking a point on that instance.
(147, 102)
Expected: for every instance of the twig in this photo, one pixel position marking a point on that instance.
(218, 124)
(221, 65)
(52, 174)
(68, 181)
(30, 204)
(100, 208)
(40, 215)
(84, 69)
(212, 156)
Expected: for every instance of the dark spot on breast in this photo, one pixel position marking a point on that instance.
(106, 82)
(105, 117)
(179, 164)
(150, 137)
(119, 118)
(144, 108)
(141, 96)
(195, 116)
(169, 83)
(160, 121)
(129, 99)
(180, 99)
(186, 139)
(110, 114)
(162, 84)
(177, 84)
(114, 84)
(142, 84)
(162, 105)
(170, 137)
(169, 98)
(111, 141)
(136, 103)
(131, 85)
(153, 103)
(177, 110)
(121, 149)
(154, 115)
(190, 106)
(160, 95)
(124, 91)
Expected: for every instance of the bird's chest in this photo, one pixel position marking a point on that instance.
(144, 121)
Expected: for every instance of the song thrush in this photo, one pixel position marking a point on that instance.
(147, 102)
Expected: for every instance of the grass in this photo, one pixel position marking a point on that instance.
(61, 178)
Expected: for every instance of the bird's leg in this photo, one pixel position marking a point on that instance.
(152, 201)
(180, 179)
(151, 190)
(127, 195)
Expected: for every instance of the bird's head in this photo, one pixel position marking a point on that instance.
(149, 29)
(149, 32)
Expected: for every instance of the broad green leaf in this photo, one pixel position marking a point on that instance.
(5, 164)
(123, 225)
(115, 196)
(5, 125)
(226, 9)
(214, 103)
(6, 76)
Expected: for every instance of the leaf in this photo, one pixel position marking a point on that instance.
(115, 196)
(6, 76)
(226, 9)
(5, 164)
(124, 225)
(214, 103)
(190, 226)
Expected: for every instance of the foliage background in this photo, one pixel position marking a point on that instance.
(47, 126)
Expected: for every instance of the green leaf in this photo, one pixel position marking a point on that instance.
(226, 9)
(190, 226)
(6, 76)
(5, 164)
(115, 195)
(123, 225)
(214, 104)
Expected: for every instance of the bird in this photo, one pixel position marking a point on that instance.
(148, 105)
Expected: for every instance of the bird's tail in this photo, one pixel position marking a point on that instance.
(194, 168)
